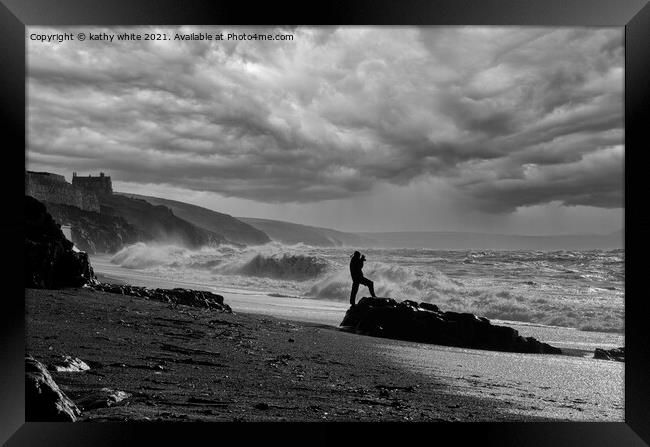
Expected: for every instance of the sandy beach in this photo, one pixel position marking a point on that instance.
(196, 365)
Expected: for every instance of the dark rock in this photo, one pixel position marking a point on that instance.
(424, 322)
(103, 398)
(44, 401)
(429, 306)
(186, 297)
(50, 260)
(70, 364)
(411, 304)
(617, 354)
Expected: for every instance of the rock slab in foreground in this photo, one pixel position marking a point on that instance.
(617, 354)
(187, 297)
(424, 322)
(103, 398)
(44, 401)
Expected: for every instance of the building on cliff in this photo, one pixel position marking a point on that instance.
(99, 185)
(48, 187)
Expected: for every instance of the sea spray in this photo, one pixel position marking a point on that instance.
(390, 281)
(142, 255)
(267, 261)
(293, 267)
(583, 290)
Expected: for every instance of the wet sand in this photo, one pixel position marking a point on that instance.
(188, 364)
(568, 387)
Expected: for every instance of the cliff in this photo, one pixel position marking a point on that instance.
(104, 222)
(50, 260)
(232, 229)
(157, 222)
(93, 232)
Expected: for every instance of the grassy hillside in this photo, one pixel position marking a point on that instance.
(232, 229)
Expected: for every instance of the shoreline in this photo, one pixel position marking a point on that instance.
(191, 364)
(127, 276)
(586, 341)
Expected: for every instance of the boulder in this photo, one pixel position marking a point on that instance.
(50, 259)
(44, 401)
(103, 398)
(617, 354)
(424, 322)
(69, 364)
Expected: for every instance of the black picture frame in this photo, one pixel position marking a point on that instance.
(634, 15)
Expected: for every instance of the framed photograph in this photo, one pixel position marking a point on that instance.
(364, 222)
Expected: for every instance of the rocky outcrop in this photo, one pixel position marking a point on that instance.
(44, 400)
(93, 232)
(617, 354)
(424, 322)
(50, 261)
(186, 297)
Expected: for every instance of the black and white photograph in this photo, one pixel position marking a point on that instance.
(324, 223)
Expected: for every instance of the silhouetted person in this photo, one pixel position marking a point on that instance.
(356, 271)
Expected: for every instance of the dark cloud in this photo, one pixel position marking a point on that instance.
(509, 117)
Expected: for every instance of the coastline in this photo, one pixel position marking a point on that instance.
(191, 364)
(570, 387)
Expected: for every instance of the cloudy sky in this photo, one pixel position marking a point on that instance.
(504, 130)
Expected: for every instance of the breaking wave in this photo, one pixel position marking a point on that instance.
(295, 267)
(579, 290)
(263, 261)
(536, 305)
(389, 280)
(141, 255)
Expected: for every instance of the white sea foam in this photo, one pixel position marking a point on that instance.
(572, 289)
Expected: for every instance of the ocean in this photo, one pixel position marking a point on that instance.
(581, 290)
(568, 299)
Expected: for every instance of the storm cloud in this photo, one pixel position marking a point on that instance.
(508, 117)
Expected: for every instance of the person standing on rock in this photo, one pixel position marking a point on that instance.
(356, 271)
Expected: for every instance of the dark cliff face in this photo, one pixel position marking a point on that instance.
(50, 261)
(229, 227)
(123, 221)
(157, 223)
(110, 221)
(94, 232)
